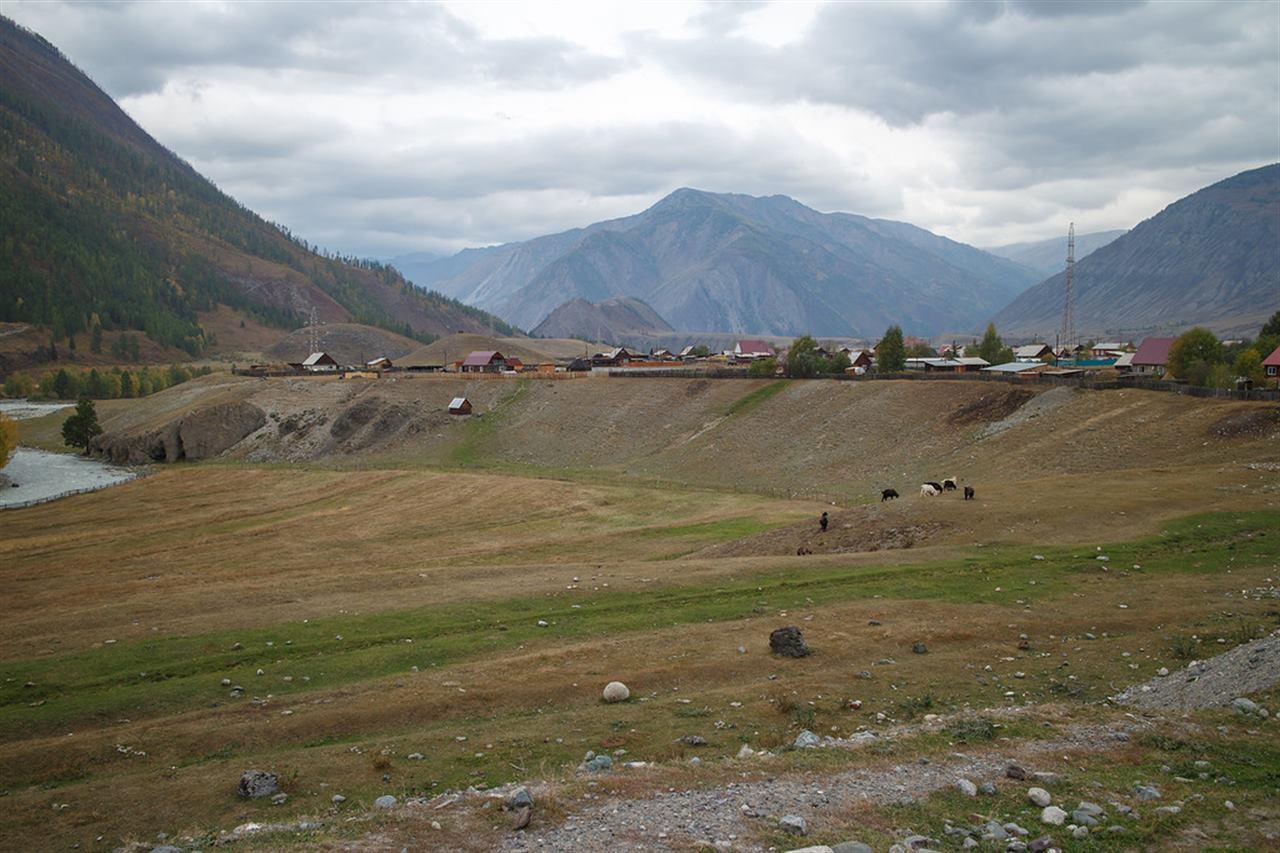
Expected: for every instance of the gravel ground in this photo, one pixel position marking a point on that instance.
(728, 816)
(1034, 408)
(1245, 669)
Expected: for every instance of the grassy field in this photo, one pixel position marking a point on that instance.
(469, 610)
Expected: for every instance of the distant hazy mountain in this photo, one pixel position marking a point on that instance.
(1212, 258)
(1050, 256)
(100, 219)
(615, 319)
(735, 263)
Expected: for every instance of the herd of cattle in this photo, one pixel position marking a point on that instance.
(929, 489)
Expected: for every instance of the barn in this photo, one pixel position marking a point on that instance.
(459, 406)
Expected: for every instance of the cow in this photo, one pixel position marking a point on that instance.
(928, 490)
(949, 484)
(802, 551)
(888, 495)
(937, 486)
(822, 522)
(968, 493)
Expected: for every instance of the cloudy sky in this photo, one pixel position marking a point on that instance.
(379, 129)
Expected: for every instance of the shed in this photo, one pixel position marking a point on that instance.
(459, 406)
(379, 363)
(1124, 363)
(1016, 368)
(857, 357)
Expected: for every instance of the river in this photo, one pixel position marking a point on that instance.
(43, 476)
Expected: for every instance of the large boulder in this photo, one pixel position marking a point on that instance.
(616, 691)
(255, 784)
(788, 642)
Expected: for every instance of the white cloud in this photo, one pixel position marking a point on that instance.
(387, 128)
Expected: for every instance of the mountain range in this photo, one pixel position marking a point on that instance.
(1211, 258)
(100, 223)
(736, 263)
(1049, 257)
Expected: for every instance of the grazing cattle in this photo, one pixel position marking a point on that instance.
(949, 484)
(928, 490)
(822, 522)
(802, 551)
(968, 493)
(937, 486)
(888, 495)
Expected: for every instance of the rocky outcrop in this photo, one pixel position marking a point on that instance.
(200, 434)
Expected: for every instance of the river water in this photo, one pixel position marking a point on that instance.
(43, 476)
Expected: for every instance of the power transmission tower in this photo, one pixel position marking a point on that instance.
(313, 332)
(1069, 301)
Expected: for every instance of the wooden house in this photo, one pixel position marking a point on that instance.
(483, 361)
(460, 406)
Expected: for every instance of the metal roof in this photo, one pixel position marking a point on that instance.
(1153, 351)
(457, 402)
(1013, 367)
(479, 358)
(1272, 360)
(317, 357)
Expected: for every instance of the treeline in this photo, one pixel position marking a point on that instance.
(1200, 358)
(97, 384)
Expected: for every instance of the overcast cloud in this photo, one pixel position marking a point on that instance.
(378, 129)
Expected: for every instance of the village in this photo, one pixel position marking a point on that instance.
(1103, 360)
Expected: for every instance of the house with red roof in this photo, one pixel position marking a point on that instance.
(752, 348)
(1271, 365)
(1152, 356)
(484, 361)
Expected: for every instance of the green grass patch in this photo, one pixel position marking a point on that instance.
(753, 399)
(479, 428)
(136, 679)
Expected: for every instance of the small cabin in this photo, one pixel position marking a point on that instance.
(460, 406)
(379, 363)
(317, 362)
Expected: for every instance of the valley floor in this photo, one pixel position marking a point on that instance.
(441, 611)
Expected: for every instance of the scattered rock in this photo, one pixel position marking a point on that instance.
(1053, 815)
(1013, 771)
(1245, 707)
(1168, 810)
(967, 788)
(415, 756)
(521, 799)
(597, 763)
(1041, 844)
(693, 740)
(1146, 793)
(1039, 796)
(255, 784)
(988, 789)
(279, 799)
(386, 801)
(793, 824)
(616, 691)
(919, 648)
(788, 642)
(807, 740)
(852, 847)
(338, 799)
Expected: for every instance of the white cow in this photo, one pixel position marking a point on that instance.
(927, 491)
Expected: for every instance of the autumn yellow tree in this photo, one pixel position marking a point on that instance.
(8, 439)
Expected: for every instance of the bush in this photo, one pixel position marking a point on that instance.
(8, 439)
(763, 368)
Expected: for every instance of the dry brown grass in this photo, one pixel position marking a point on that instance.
(197, 549)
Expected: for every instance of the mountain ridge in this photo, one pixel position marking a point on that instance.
(1209, 258)
(740, 264)
(1049, 256)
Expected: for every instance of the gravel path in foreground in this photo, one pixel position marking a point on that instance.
(727, 816)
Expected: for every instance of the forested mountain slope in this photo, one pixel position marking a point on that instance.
(99, 222)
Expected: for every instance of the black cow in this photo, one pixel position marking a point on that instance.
(888, 495)
(949, 484)
(822, 522)
(968, 493)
